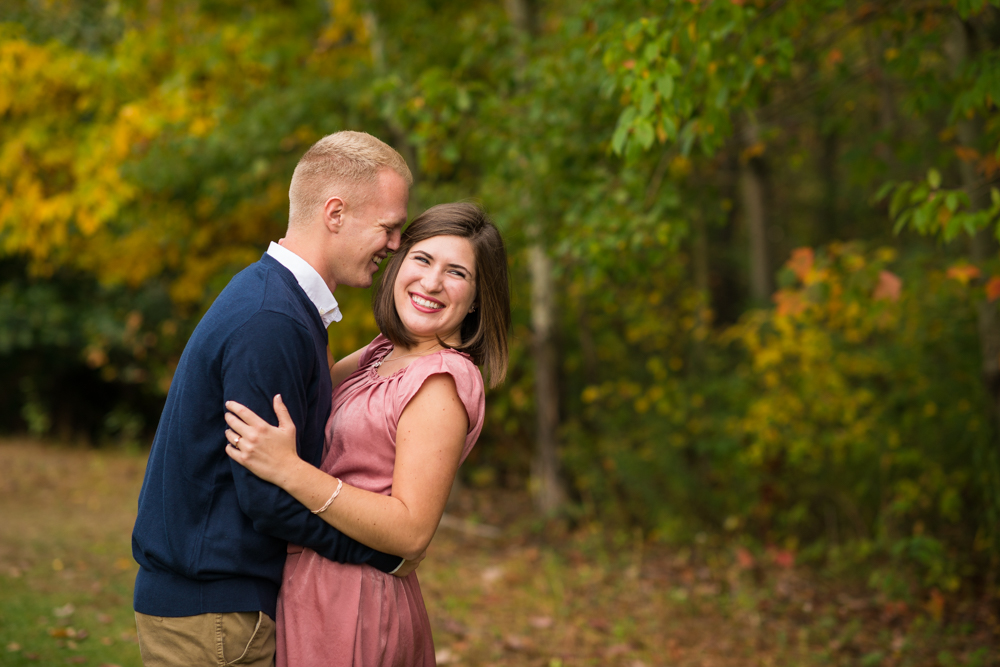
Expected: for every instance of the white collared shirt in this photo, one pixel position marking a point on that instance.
(310, 281)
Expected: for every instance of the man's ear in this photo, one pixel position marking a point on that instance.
(333, 214)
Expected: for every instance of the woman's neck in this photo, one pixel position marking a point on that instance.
(426, 346)
(417, 349)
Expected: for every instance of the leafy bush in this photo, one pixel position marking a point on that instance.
(855, 423)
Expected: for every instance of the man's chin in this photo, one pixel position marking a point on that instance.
(362, 283)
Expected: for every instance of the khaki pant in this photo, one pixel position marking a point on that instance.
(239, 638)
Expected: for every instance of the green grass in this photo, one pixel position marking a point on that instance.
(66, 569)
(68, 626)
(542, 595)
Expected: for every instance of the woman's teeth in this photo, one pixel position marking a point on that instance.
(425, 303)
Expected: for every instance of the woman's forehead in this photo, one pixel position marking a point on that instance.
(447, 247)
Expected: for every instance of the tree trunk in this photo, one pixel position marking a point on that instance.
(831, 194)
(546, 485)
(754, 212)
(888, 118)
(699, 262)
(982, 246)
(397, 134)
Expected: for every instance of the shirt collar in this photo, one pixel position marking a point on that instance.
(310, 281)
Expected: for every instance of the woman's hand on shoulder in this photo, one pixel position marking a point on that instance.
(269, 452)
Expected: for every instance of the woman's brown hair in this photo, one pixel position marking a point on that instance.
(484, 331)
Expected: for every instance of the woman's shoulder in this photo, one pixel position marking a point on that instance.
(459, 367)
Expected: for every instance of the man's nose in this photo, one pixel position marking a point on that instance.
(394, 238)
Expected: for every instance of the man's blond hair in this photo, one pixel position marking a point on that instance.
(344, 164)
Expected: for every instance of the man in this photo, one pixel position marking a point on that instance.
(210, 538)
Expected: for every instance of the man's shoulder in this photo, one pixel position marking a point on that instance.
(261, 287)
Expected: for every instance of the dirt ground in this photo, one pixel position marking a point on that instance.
(502, 588)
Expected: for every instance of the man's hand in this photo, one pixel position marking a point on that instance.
(409, 565)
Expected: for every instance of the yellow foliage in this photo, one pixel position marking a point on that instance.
(810, 360)
(72, 120)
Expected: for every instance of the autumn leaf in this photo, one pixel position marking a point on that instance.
(783, 558)
(963, 273)
(935, 605)
(801, 262)
(789, 303)
(966, 154)
(751, 152)
(988, 166)
(889, 286)
(744, 559)
(993, 289)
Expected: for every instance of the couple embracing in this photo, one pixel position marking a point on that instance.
(294, 534)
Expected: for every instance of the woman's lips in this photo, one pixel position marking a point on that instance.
(425, 304)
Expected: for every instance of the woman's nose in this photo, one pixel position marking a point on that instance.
(432, 281)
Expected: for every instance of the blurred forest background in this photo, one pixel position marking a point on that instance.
(753, 241)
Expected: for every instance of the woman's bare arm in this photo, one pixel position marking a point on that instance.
(430, 436)
(341, 369)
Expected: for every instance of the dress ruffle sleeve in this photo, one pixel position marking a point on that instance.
(468, 382)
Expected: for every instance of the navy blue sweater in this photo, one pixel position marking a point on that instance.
(210, 537)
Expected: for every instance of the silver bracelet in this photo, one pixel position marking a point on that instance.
(340, 485)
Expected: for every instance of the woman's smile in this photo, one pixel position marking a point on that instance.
(425, 304)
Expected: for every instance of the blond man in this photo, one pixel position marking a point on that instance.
(210, 538)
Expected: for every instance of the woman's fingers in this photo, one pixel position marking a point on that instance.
(284, 419)
(240, 427)
(238, 455)
(245, 413)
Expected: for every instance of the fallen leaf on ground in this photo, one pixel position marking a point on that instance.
(616, 650)
(64, 611)
(492, 574)
(744, 558)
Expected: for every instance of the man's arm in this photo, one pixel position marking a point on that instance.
(272, 354)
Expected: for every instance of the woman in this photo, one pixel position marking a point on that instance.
(406, 413)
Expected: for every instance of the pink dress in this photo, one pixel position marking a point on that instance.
(332, 614)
